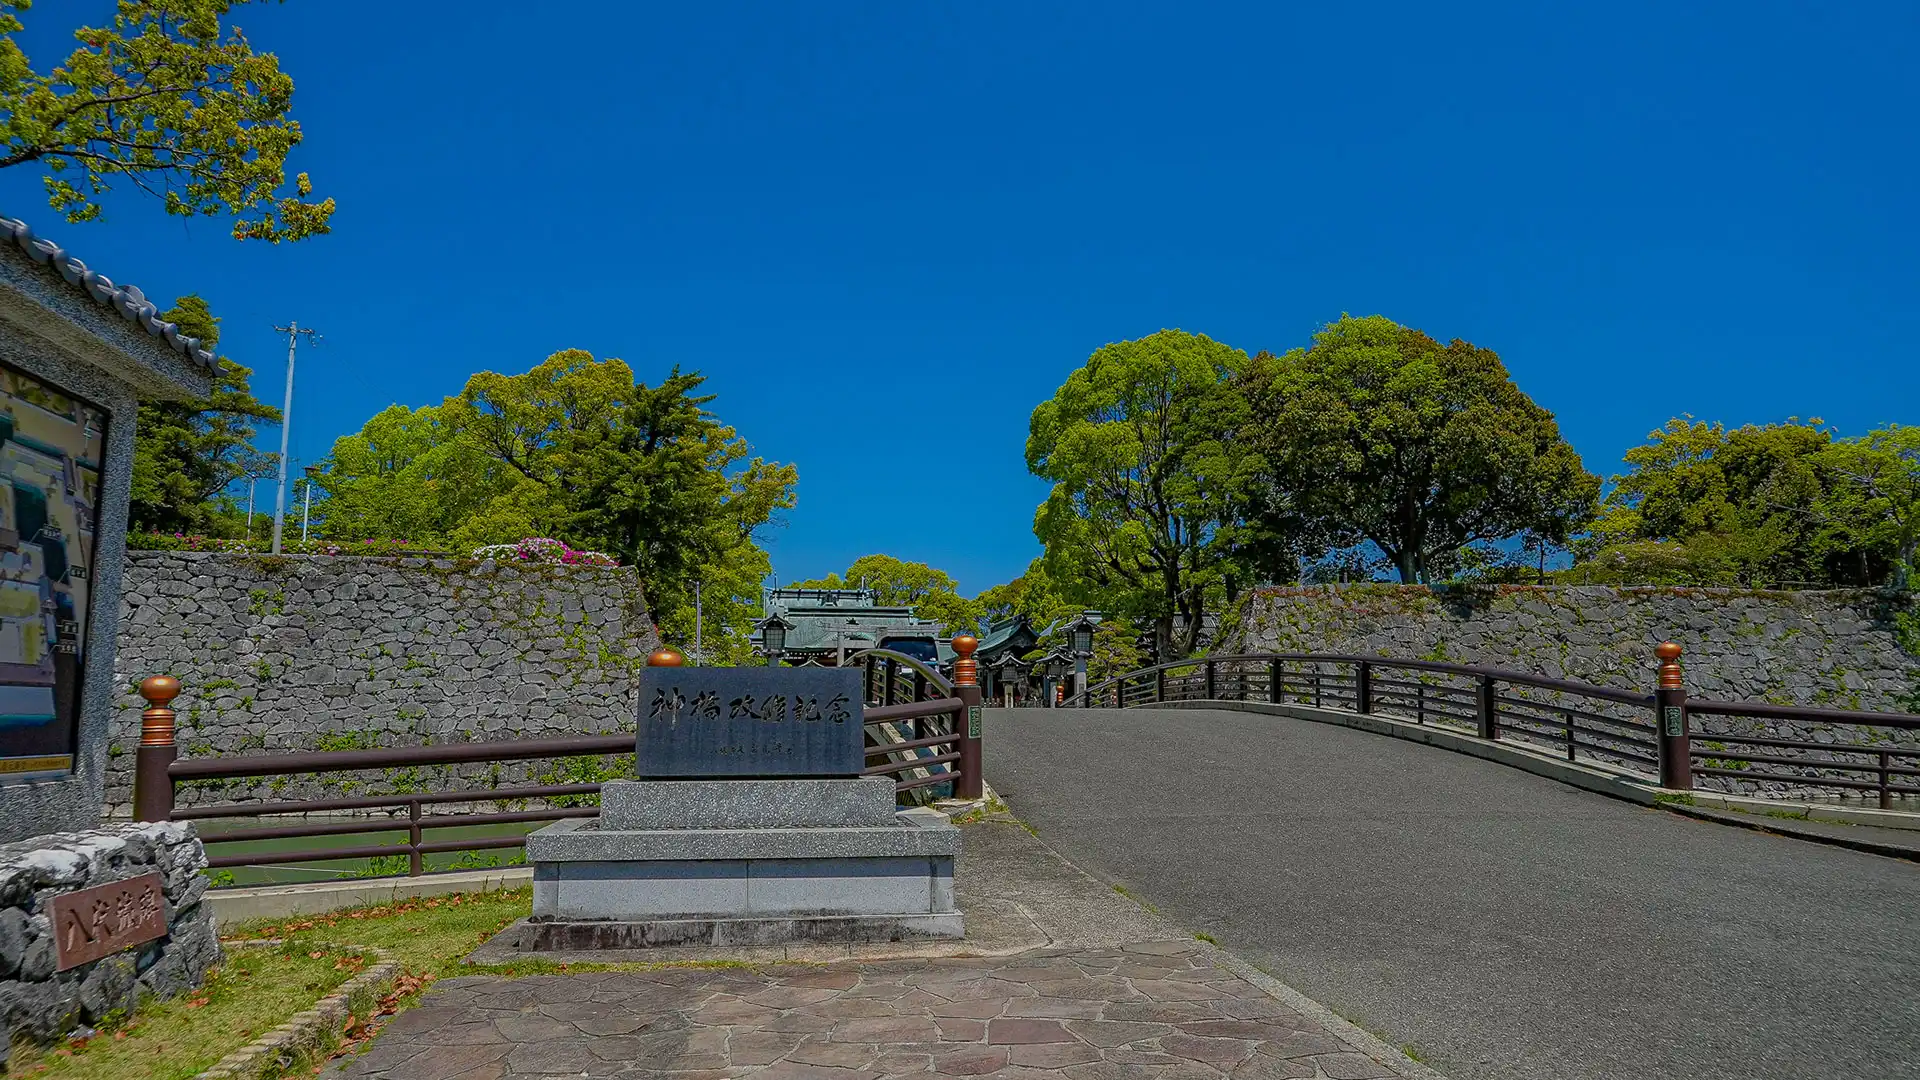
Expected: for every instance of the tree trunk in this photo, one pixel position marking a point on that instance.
(1408, 567)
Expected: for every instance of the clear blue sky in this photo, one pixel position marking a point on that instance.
(885, 231)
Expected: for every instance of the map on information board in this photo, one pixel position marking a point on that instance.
(51, 447)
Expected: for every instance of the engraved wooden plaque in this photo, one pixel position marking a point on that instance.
(106, 919)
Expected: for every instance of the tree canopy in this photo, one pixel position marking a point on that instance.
(1420, 448)
(895, 582)
(1146, 481)
(167, 100)
(186, 455)
(579, 450)
(1783, 504)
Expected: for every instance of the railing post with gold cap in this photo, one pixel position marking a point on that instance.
(665, 657)
(1670, 716)
(966, 687)
(152, 787)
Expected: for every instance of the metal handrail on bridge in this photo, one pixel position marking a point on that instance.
(1643, 732)
(930, 739)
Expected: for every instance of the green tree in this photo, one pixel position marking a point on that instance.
(932, 593)
(187, 453)
(1381, 432)
(1763, 504)
(1034, 594)
(1116, 651)
(166, 100)
(1876, 488)
(1146, 481)
(578, 450)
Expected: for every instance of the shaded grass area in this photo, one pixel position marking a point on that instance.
(429, 936)
(252, 991)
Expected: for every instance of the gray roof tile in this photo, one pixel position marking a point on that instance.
(127, 300)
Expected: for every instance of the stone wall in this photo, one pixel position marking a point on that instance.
(1834, 649)
(40, 1004)
(333, 653)
(1831, 649)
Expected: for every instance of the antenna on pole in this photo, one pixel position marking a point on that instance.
(293, 330)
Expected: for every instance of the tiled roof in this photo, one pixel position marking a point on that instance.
(127, 300)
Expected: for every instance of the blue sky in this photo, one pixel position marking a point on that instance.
(886, 231)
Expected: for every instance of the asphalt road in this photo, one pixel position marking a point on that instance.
(1500, 924)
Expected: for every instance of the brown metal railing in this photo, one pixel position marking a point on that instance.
(1651, 733)
(930, 738)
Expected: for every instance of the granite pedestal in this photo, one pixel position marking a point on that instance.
(742, 862)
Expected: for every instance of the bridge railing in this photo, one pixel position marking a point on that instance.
(922, 731)
(1747, 747)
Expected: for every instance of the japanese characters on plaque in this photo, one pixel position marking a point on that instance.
(750, 722)
(92, 923)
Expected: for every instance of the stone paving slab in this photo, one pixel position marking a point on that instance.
(1165, 1010)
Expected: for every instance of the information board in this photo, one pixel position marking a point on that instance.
(51, 447)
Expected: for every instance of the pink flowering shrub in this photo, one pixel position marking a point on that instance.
(541, 549)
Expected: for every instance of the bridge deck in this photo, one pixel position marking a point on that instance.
(1502, 924)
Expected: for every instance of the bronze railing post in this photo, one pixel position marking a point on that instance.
(966, 687)
(1486, 708)
(1363, 688)
(1670, 716)
(152, 787)
(1209, 683)
(665, 657)
(414, 869)
(1160, 685)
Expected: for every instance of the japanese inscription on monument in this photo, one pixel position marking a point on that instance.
(105, 919)
(750, 722)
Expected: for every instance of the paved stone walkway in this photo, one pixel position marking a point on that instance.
(1160, 1010)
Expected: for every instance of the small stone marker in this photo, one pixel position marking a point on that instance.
(91, 923)
(710, 722)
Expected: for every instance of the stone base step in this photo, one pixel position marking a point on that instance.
(532, 936)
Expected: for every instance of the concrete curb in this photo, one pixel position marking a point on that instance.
(234, 906)
(1617, 784)
(1372, 1045)
(1773, 826)
(306, 1030)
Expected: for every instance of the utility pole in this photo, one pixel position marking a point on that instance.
(698, 656)
(251, 480)
(293, 332)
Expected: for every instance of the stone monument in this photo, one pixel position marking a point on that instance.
(90, 917)
(751, 824)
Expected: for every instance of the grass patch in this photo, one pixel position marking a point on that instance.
(253, 991)
(1676, 800)
(1141, 900)
(428, 935)
(1206, 937)
(1413, 1054)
